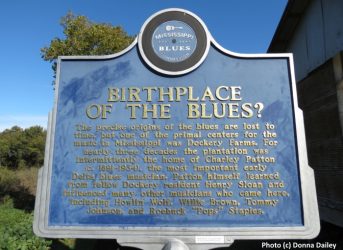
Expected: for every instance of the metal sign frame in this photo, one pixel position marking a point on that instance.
(199, 236)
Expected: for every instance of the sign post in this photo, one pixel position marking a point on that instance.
(176, 139)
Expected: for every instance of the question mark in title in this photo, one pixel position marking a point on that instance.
(259, 106)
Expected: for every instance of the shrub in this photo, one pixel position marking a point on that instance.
(28, 179)
(20, 185)
(16, 230)
(9, 182)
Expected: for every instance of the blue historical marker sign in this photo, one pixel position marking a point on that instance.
(196, 143)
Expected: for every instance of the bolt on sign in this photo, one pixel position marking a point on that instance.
(176, 137)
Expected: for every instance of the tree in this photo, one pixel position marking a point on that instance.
(84, 37)
(22, 148)
(34, 146)
(12, 147)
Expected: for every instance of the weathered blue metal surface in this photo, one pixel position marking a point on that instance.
(262, 80)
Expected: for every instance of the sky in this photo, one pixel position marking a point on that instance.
(26, 91)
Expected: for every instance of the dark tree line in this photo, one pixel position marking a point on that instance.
(22, 147)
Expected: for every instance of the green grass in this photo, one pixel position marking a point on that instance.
(16, 230)
(17, 191)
